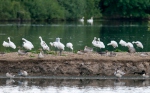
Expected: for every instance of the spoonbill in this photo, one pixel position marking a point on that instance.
(138, 43)
(122, 43)
(90, 20)
(11, 44)
(69, 45)
(100, 43)
(82, 19)
(43, 44)
(30, 45)
(113, 43)
(94, 42)
(129, 44)
(60, 46)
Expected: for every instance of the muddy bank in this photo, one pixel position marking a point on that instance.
(71, 64)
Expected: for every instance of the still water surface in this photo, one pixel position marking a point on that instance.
(77, 33)
(74, 86)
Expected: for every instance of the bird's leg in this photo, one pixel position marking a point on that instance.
(56, 51)
(60, 51)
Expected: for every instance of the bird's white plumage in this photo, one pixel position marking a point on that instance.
(129, 45)
(30, 45)
(138, 43)
(113, 43)
(11, 44)
(60, 45)
(43, 44)
(82, 19)
(100, 43)
(122, 43)
(90, 20)
(5, 44)
(69, 45)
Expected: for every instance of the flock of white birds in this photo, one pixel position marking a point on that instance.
(60, 46)
(29, 46)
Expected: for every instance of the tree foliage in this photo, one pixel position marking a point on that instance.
(72, 9)
(125, 8)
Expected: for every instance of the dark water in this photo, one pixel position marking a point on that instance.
(77, 33)
(74, 85)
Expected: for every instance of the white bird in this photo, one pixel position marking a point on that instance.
(82, 19)
(5, 44)
(100, 43)
(10, 75)
(118, 73)
(11, 44)
(27, 46)
(122, 43)
(30, 45)
(60, 46)
(23, 73)
(43, 44)
(138, 43)
(69, 45)
(90, 20)
(113, 43)
(94, 42)
(129, 45)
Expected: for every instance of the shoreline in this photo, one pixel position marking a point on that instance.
(72, 64)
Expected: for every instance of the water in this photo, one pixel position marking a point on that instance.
(74, 85)
(77, 33)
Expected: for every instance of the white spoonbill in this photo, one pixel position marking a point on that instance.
(82, 19)
(122, 43)
(94, 42)
(90, 20)
(60, 45)
(129, 44)
(25, 40)
(5, 44)
(69, 45)
(100, 43)
(113, 43)
(11, 44)
(43, 44)
(27, 46)
(138, 43)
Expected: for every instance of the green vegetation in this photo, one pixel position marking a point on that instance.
(72, 9)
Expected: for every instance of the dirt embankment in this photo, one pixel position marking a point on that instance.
(71, 64)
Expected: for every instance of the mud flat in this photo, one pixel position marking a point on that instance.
(72, 64)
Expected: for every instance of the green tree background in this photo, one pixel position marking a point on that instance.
(73, 9)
